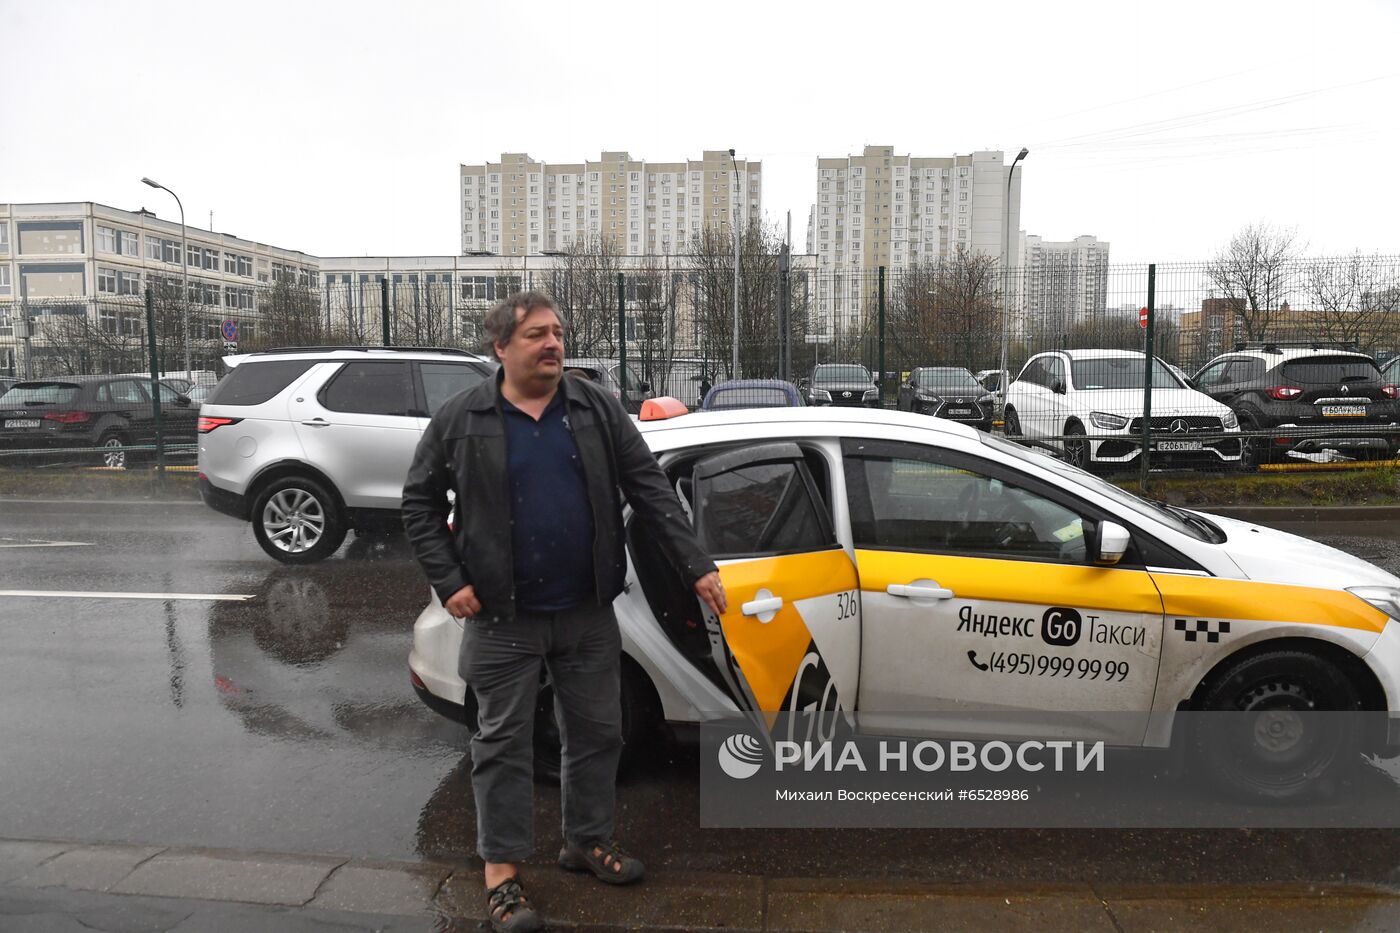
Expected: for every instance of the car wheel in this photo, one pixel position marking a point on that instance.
(110, 451)
(297, 521)
(1011, 423)
(1253, 450)
(1278, 742)
(1076, 446)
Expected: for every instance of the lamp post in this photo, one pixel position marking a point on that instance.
(734, 228)
(1003, 376)
(184, 270)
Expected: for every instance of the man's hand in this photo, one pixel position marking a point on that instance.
(711, 591)
(463, 604)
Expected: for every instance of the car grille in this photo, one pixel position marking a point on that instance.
(1171, 424)
(847, 396)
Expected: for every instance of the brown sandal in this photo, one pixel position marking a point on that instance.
(606, 860)
(508, 910)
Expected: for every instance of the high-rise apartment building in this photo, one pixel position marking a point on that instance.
(1060, 284)
(523, 207)
(882, 209)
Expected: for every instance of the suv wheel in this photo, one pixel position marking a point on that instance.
(296, 520)
(110, 450)
(1076, 446)
(1011, 423)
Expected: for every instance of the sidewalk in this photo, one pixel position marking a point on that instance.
(54, 886)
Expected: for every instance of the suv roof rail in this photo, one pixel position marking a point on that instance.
(1275, 346)
(454, 350)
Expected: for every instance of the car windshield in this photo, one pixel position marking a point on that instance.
(1330, 370)
(843, 374)
(748, 397)
(1177, 519)
(959, 379)
(40, 393)
(1120, 372)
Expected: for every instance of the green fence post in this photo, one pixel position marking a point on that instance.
(880, 381)
(155, 387)
(384, 309)
(1147, 375)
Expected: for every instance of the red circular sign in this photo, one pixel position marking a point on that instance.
(1142, 317)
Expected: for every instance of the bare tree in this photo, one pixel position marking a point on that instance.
(1255, 273)
(288, 315)
(947, 312)
(651, 293)
(711, 257)
(1354, 300)
(584, 285)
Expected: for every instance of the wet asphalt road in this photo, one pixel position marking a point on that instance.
(286, 722)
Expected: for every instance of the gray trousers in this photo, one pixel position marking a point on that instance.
(501, 664)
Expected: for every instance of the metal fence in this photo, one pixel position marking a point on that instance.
(680, 330)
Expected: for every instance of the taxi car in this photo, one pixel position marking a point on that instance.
(886, 565)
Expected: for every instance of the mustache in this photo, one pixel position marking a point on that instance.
(551, 355)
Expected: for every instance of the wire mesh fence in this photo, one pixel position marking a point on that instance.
(1275, 364)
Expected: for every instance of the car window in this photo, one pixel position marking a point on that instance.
(1120, 372)
(370, 388)
(126, 392)
(1245, 370)
(843, 374)
(747, 397)
(41, 393)
(441, 381)
(908, 497)
(256, 381)
(953, 379)
(1034, 373)
(168, 394)
(1054, 369)
(760, 508)
(1333, 370)
(1212, 374)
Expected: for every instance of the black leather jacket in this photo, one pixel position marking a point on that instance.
(464, 449)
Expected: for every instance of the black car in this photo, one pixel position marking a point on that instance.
(841, 384)
(51, 417)
(1307, 400)
(947, 392)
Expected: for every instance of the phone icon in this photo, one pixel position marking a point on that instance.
(972, 656)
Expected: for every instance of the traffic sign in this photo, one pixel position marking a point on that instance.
(230, 330)
(1142, 317)
(230, 346)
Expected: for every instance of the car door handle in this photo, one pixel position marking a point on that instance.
(919, 592)
(317, 423)
(755, 606)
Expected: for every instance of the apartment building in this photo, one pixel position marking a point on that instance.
(524, 207)
(882, 209)
(71, 257)
(1058, 284)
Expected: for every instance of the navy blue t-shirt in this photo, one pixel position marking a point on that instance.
(551, 520)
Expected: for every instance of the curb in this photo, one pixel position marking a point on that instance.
(317, 887)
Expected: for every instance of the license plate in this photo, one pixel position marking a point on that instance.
(1178, 445)
(1344, 411)
(960, 411)
(22, 423)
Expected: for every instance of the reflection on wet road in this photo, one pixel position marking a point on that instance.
(286, 722)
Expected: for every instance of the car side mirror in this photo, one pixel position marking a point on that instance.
(1113, 543)
(1058, 387)
(644, 386)
(183, 401)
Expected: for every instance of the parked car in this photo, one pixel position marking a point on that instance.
(947, 392)
(105, 414)
(841, 384)
(1314, 390)
(200, 393)
(6, 382)
(1089, 405)
(1391, 372)
(752, 393)
(856, 546)
(610, 375)
(307, 444)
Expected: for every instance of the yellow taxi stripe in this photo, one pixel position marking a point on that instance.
(1014, 581)
(1253, 600)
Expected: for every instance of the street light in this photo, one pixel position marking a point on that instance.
(184, 270)
(1004, 377)
(734, 229)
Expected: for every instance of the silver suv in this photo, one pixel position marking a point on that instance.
(309, 443)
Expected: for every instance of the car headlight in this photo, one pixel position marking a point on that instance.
(1384, 598)
(821, 395)
(928, 396)
(1106, 422)
(1230, 422)
(869, 394)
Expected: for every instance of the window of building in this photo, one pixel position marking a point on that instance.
(106, 239)
(5, 287)
(52, 280)
(106, 280)
(50, 237)
(4, 237)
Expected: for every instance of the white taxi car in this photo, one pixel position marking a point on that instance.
(888, 565)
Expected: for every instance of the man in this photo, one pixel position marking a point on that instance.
(533, 566)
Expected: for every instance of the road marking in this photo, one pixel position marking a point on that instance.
(47, 543)
(73, 594)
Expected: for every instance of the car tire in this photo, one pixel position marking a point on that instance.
(303, 510)
(109, 452)
(1076, 444)
(1289, 749)
(1253, 450)
(1011, 423)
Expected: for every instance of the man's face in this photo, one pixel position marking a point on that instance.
(535, 354)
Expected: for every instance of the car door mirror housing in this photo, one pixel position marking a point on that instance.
(1058, 387)
(1113, 543)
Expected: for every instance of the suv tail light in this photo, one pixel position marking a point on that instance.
(1283, 393)
(68, 417)
(1390, 391)
(207, 424)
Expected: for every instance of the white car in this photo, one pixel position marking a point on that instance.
(885, 565)
(1089, 405)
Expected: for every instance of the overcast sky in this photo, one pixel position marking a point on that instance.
(337, 128)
